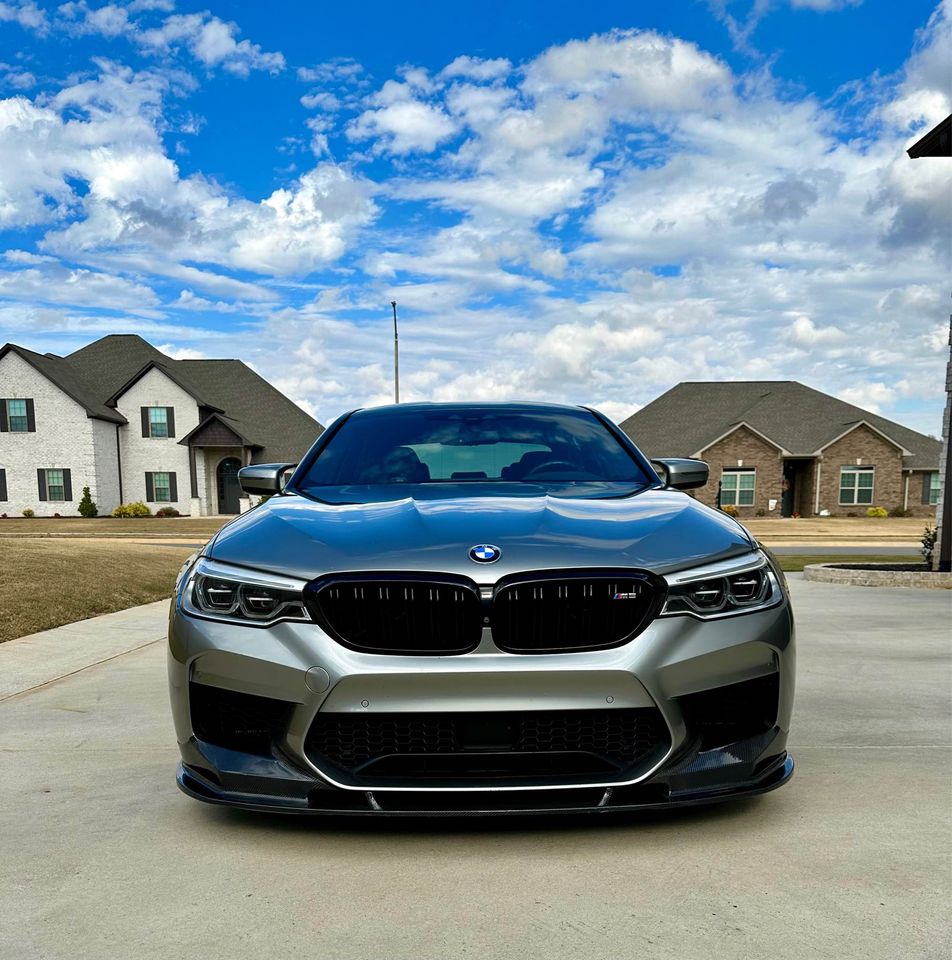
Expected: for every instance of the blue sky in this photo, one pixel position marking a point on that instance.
(575, 202)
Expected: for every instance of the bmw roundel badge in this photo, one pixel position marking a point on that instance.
(484, 553)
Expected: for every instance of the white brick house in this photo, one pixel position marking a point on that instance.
(132, 424)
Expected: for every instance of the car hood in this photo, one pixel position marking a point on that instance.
(657, 530)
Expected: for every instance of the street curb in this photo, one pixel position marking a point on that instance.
(42, 658)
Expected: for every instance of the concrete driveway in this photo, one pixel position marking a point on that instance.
(102, 857)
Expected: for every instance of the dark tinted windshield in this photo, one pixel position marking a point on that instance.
(472, 445)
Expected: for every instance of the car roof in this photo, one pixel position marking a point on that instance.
(515, 406)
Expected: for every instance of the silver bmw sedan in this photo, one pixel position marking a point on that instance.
(479, 608)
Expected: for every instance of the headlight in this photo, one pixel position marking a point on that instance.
(219, 591)
(723, 589)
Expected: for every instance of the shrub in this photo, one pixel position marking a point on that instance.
(135, 509)
(852, 513)
(28, 513)
(729, 509)
(167, 512)
(86, 506)
(761, 512)
(878, 513)
(928, 544)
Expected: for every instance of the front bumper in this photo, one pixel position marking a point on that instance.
(670, 668)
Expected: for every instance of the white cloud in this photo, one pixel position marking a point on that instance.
(212, 42)
(474, 68)
(137, 200)
(25, 13)
(401, 123)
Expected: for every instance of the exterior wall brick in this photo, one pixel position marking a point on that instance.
(862, 447)
(147, 454)
(756, 454)
(63, 439)
(105, 488)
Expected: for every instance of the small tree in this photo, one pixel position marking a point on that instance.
(86, 506)
(928, 544)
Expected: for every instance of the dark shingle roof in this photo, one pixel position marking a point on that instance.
(797, 418)
(60, 371)
(97, 373)
(257, 411)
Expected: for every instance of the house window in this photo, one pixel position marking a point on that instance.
(17, 419)
(737, 487)
(158, 421)
(161, 488)
(55, 485)
(934, 488)
(856, 485)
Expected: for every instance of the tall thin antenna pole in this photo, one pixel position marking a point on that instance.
(396, 355)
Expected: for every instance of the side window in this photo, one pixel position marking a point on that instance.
(54, 484)
(161, 487)
(16, 416)
(737, 487)
(934, 488)
(856, 485)
(158, 422)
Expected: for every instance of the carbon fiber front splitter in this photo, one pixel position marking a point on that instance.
(431, 803)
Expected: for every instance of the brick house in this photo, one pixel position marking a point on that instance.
(127, 421)
(779, 448)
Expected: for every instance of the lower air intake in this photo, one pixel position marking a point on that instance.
(238, 721)
(485, 749)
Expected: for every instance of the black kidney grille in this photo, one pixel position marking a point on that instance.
(473, 747)
(566, 614)
(399, 616)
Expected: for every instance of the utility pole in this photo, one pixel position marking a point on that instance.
(396, 355)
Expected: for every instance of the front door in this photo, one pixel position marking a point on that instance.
(228, 489)
(789, 498)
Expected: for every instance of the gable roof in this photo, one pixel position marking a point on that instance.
(60, 372)
(98, 374)
(796, 418)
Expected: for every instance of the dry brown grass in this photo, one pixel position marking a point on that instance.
(46, 583)
(199, 528)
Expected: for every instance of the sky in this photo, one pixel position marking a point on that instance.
(572, 202)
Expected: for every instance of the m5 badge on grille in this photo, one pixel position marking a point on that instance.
(626, 596)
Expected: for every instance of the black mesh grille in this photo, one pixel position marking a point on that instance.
(471, 747)
(398, 615)
(238, 721)
(733, 712)
(561, 613)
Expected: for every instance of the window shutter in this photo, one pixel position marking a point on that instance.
(926, 487)
(3, 416)
(149, 490)
(170, 418)
(30, 417)
(41, 483)
(173, 488)
(3, 484)
(145, 421)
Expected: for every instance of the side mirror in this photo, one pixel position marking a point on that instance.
(680, 473)
(265, 479)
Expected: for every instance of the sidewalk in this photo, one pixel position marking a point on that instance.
(40, 658)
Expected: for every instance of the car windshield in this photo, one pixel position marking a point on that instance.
(472, 445)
